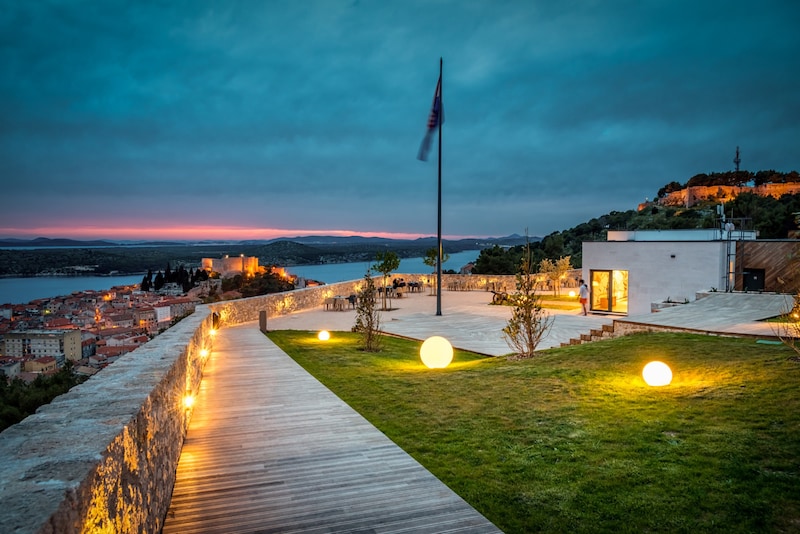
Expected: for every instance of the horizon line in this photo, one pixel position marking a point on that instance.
(204, 233)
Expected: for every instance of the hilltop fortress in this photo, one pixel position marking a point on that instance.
(691, 195)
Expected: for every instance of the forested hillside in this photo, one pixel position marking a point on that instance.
(772, 218)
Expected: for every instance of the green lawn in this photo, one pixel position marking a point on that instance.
(574, 441)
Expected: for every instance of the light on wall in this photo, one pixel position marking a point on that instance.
(657, 374)
(436, 352)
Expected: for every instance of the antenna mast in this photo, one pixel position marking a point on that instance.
(737, 160)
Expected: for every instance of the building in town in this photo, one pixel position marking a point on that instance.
(32, 344)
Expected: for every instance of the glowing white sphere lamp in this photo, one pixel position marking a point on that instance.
(324, 335)
(436, 352)
(657, 374)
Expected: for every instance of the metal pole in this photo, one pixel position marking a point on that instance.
(439, 221)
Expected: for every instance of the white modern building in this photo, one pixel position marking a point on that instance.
(634, 269)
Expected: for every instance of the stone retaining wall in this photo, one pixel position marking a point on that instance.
(626, 328)
(102, 457)
(279, 304)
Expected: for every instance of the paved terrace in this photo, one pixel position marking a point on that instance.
(468, 321)
(269, 449)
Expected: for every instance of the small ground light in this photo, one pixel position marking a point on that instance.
(572, 294)
(657, 374)
(324, 335)
(436, 352)
(188, 401)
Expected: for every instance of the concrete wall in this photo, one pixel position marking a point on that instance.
(659, 270)
(102, 458)
(701, 234)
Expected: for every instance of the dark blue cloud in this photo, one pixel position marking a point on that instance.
(309, 114)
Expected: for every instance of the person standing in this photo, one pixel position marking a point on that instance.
(584, 296)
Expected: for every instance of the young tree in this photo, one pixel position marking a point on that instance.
(387, 262)
(529, 322)
(368, 320)
(555, 271)
(159, 281)
(147, 281)
(431, 255)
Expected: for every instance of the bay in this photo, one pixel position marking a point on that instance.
(330, 273)
(23, 290)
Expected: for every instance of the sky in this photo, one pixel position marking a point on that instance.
(194, 119)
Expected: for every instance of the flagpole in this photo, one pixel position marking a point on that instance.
(439, 218)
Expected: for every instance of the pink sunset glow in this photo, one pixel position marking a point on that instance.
(195, 233)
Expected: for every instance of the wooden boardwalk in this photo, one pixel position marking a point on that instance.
(270, 449)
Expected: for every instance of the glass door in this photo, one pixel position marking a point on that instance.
(601, 287)
(609, 291)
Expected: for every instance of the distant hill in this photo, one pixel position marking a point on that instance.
(347, 241)
(47, 242)
(41, 256)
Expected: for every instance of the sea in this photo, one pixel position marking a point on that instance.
(23, 290)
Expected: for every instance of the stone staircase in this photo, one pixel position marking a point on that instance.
(606, 332)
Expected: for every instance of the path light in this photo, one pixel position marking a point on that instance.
(436, 352)
(657, 374)
(572, 294)
(324, 335)
(188, 400)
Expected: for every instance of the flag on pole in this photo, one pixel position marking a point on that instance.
(436, 116)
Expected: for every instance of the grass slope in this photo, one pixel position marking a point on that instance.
(574, 441)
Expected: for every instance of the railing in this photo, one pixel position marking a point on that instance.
(102, 457)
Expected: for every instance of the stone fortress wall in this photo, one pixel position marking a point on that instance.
(689, 196)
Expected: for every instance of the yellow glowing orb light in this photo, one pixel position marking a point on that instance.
(204, 353)
(188, 401)
(657, 374)
(436, 352)
(572, 294)
(324, 335)
(213, 332)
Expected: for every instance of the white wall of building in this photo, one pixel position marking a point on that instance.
(704, 234)
(163, 314)
(660, 269)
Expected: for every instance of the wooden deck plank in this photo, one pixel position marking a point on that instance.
(270, 449)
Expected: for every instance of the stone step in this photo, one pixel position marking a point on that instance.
(606, 332)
